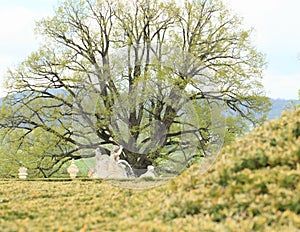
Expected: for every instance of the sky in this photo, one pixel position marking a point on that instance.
(276, 33)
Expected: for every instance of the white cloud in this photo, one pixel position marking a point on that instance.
(277, 85)
(17, 38)
(271, 19)
(277, 34)
(17, 30)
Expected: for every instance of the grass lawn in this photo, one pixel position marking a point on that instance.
(74, 205)
(253, 186)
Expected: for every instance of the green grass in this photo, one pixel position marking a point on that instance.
(253, 186)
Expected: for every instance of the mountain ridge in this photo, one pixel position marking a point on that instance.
(278, 105)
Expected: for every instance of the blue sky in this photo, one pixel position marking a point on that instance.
(276, 26)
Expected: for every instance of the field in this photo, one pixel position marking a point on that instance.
(253, 186)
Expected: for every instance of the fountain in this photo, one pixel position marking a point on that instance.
(128, 168)
(112, 166)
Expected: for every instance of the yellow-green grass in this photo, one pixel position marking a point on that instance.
(253, 186)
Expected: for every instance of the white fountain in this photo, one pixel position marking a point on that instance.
(112, 166)
(128, 168)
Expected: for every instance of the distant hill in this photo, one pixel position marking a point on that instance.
(278, 105)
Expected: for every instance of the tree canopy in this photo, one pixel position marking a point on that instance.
(153, 76)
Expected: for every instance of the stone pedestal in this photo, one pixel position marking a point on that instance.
(22, 173)
(73, 170)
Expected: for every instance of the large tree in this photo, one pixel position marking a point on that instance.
(152, 76)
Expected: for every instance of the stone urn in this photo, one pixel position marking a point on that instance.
(22, 173)
(73, 170)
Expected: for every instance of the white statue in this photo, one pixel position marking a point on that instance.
(149, 173)
(127, 167)
(109, 167)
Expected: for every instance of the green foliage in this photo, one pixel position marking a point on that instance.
(142, 74)
(35, 152)
(257, 178)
